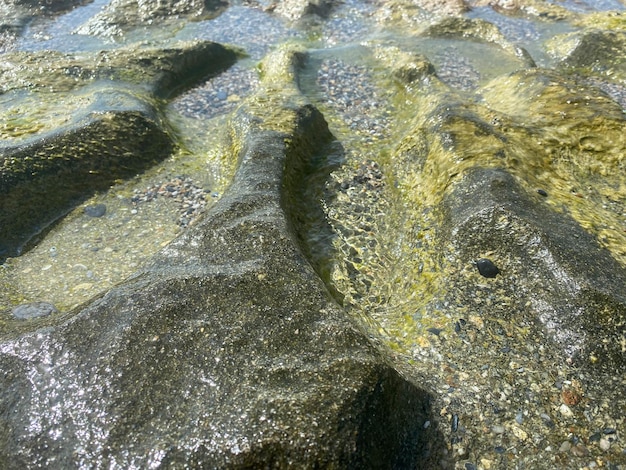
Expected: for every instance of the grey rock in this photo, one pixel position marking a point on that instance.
(95, 210)
(226, 351)
(33, 310)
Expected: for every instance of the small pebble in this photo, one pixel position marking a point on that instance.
(579, 450)
(486, 268)
(95, 210)
(605, 444)
(498, 429)
(541, 192)
(565, 410)
(455, 423)
(33, 310)
(595, 437)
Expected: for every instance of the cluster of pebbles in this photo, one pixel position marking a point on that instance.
(218, 95)
(456, 70)
(348, 90)
(190, 197)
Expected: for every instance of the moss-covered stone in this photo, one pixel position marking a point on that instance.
(598, 51)
(42, 180)
(476, 30)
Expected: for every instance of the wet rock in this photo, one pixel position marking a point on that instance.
(161, 71)
(46, 5)
(226, 351)
(417, 8)
(122, 16)
(593, 49)
(486, 268)
(476, 30)
(52, 173)
(299, 9)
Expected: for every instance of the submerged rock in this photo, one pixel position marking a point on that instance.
(597, 50)
(462, 183)
(161, 71)
(33, 310)
(50, 161)
(41, 180)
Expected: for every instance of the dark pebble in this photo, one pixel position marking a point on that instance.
(33, 310)
(541, 192)
(96, 210)
(470, 466)
(609, 430)
(455, 423)
(499, 450)
(435, 331)
(486, 268)
(595, 437)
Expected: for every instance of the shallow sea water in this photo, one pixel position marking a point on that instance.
(502, 395)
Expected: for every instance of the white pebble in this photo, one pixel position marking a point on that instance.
(605, 444)
(566, 410)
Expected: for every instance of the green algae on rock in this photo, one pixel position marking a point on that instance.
(42, 180)
(593, 50)
(444, 137)
(460, 185)
(232, 297)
